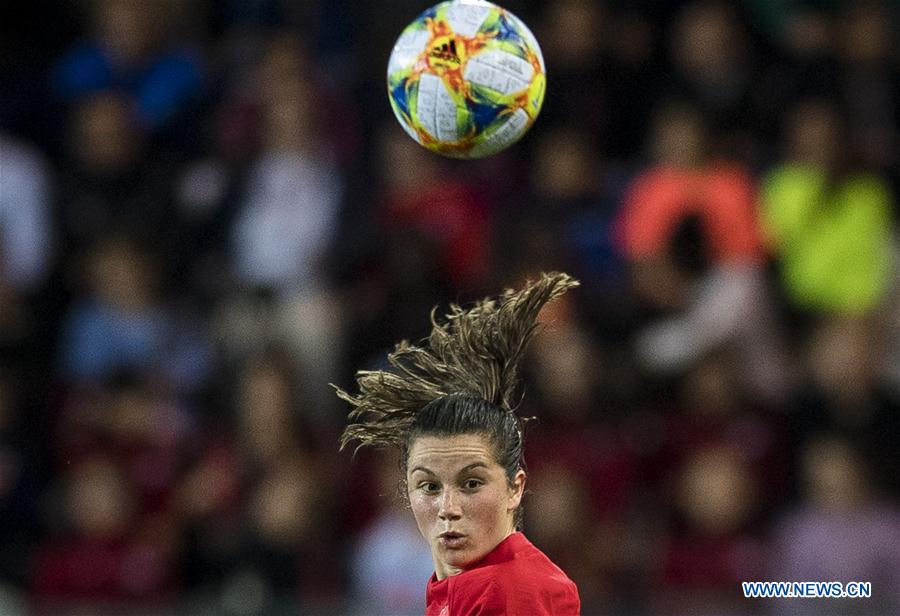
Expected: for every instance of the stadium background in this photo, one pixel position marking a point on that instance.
(208, 212)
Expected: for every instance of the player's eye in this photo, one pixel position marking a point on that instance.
(473, 484)
(429, 487)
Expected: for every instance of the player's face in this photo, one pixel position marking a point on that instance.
(461, 498)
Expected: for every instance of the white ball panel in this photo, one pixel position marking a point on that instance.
(436, 109)
(467, 18)
(499, 70)
(510, 132)
(407, 49)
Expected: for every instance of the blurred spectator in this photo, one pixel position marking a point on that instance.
(563, 188)
(870, 82)
(561, 520)
(273, 409)
(594, 56)
(28, 250)
(28, 244)
(842, 359)
(109, 183)
(689, 227)
(252, 503)
(683, 181)
(573, 41)
(846, 391)
(123, 321)
(97, 556)
(393, 282)
(713, 463)
(292, 195)
(582, 477)
(841, 513)
(390, 564)
(138, 49)
(802, 36)
(566, 387)
(829, 221)
(282, 126)
(711, 406)
(570, 223)
(285, 223)
(712, 65)
(26, 236)
(709, 549)
(130, 417)
(423, 235)
(113, 532)
(565, 184)
(422, 195)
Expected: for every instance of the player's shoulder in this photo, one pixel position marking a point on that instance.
(527, 585)
(517, 578)
(530, 568)
(533, 562)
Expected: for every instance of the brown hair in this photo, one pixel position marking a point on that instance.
(462, 380)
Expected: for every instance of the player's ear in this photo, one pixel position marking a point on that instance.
(517, 489)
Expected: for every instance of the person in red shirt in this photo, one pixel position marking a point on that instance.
(447, 406)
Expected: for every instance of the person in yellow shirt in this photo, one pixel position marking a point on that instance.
(830, 226)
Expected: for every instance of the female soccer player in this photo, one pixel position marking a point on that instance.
(447, 405)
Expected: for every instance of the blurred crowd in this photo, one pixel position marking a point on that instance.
(208, 213)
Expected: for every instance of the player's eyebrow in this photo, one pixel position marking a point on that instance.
(473, 466)
(465, 469)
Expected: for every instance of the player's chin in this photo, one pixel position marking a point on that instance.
(460, 556)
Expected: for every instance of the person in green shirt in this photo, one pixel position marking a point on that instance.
(830, 225)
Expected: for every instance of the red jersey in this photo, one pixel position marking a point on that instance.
(514, 578)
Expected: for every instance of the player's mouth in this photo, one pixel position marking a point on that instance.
(451, 540)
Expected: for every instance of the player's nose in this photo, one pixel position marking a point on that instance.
(449, 506)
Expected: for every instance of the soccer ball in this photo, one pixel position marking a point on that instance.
(466, 79)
